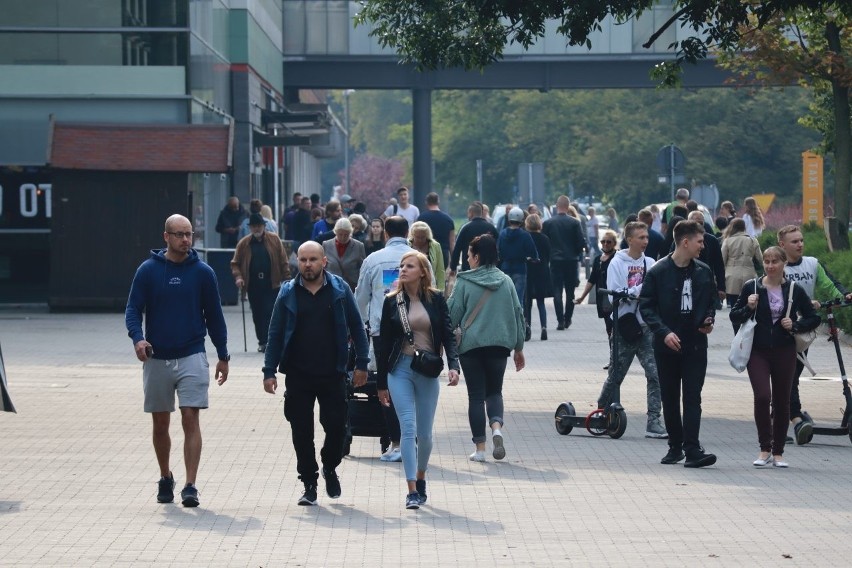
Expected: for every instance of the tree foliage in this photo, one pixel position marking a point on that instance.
(373, 179)
(810, 48)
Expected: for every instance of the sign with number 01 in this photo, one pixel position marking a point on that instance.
(25, 205)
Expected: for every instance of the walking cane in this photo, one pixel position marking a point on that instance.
(243, 303)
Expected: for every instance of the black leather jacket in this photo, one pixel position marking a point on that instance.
(767, 334)
(659, 302)
(391, 335)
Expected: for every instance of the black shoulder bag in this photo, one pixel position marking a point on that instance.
(628, 325)
(426, 363)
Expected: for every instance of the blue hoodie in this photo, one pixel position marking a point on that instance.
(180, 302)
(514, 247)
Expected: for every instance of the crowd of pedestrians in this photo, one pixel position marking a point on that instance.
(396, 296)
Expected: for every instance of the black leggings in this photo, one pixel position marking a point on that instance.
(483, 375)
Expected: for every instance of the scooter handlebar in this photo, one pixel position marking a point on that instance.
(620, 294)
(836, 303)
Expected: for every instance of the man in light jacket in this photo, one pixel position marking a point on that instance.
(627, 270)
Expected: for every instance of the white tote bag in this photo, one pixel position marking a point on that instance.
(741, 345)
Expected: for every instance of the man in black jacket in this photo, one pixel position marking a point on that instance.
(567, 243)
(476, 225)
(677, 302)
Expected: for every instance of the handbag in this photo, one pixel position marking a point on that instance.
(458, 332)
(803, 338)
(740, 351)
(424, 362)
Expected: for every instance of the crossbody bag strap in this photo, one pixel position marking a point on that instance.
(476, 309)
(790, 299)
(403, 315)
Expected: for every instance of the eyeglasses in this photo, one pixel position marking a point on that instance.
(607, 241)
(181, 235)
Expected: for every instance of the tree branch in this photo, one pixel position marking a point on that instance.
(675, 17)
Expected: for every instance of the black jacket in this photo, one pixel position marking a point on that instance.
(767, 334)
(567, 241)
(469, 231)
(659, 301)
(391, 335)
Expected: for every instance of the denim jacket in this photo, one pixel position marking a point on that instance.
(347, 324)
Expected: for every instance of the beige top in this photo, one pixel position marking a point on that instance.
(739, 252)
(418, 319)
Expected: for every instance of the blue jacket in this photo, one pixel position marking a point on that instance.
(347, 324)
(514, 247)
(181, 304)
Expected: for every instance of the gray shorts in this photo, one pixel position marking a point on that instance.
(189, 376)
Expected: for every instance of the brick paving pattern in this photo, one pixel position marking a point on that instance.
(79, 473)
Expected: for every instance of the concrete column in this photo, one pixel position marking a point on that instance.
(422, 145)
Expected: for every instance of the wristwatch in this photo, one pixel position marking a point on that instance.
(226, 359)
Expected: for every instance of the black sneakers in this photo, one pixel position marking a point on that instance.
(309, 497)
(189, 496)
(421, 490)
(332, 483)
(673, 457)
(528, 333)
(166, 493)
(804, 432)
(700, 459)
(412, 500)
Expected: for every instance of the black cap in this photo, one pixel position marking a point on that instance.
(256, 219)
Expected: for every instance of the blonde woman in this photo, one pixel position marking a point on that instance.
(753, 218)
(415, 396)
(420, 238)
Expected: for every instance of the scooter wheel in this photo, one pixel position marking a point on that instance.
(617, 424)
(563, 423)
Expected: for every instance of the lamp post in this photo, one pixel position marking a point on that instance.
(346, 93)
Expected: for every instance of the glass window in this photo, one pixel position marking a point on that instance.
(95, 13)
(130, 48)
(209, 75)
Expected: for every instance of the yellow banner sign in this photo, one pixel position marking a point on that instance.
(812, 188)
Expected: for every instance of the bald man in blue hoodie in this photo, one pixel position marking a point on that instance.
(179, 295)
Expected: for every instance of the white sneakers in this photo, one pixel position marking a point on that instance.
(477, 456)
(499, 450)
(392, 455)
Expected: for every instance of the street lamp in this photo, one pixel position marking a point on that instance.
(346, 93)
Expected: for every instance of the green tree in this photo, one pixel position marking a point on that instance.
(810, 48)
(473, 34)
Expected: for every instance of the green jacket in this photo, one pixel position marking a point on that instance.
(500, 322)
(436, 258)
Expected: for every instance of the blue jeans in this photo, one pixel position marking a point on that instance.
(415, 398)
(520, 281)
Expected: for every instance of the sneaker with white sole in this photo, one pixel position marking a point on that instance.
(499, 449)
(392, 455)
(412, 500)
(655, 430)
(477, 456)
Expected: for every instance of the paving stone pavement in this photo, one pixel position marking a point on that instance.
(79, 473)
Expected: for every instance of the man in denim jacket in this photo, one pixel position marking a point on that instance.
(310, 308)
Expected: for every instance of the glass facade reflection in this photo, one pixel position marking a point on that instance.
(94, 13)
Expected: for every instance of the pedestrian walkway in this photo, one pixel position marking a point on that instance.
(79, 473)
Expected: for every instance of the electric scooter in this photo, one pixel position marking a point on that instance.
(611, 420)
(844, 428)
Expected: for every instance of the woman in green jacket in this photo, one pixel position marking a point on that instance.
(420, 238)
(485, 305)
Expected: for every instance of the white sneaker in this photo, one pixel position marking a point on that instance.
(477, 456)
(499, 449)
(392, 455)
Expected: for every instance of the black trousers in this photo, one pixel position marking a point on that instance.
(261, 300)
(682, 371)
(564, 275)
(795, 401)
(389, 413)
(302, 392)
